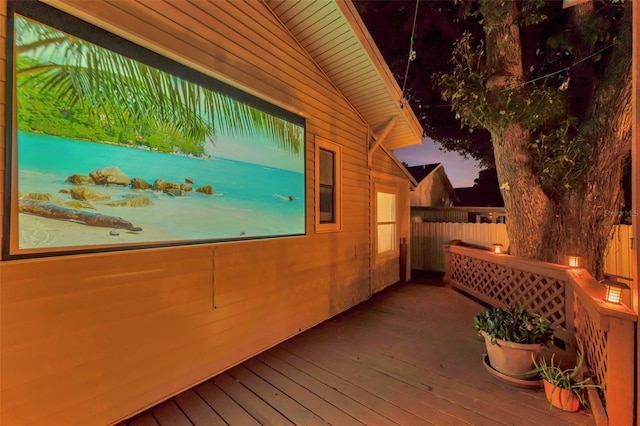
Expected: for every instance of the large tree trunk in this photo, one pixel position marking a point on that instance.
(525, 202)
(539, 227)
(590, 215)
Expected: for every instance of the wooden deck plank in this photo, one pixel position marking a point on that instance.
(198, 411)
(259, 409)
(416, 401)
(409, 356)
(144, 419)
(277, 399)
(453, 391)
(463, 366)
(227, 408)
(395, 329)
(168, 413)
(328, 411)
(361, 404)
(412, 342)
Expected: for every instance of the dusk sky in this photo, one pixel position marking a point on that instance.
(461, 172)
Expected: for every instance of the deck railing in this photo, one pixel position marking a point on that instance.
(571, 299)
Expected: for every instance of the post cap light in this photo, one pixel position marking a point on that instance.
(497, 248)
(573, 261)
(614, 290)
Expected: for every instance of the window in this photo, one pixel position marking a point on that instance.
(385, 222)
(327, 186)
(328, 195)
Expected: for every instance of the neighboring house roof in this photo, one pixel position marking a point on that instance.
(335, 37)
(421, 172)
(425, 175)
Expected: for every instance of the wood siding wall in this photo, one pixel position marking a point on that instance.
(92, 339)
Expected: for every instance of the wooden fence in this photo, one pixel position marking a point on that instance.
(427, 239)
(571, 300)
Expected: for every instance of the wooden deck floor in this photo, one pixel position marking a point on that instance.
(408, 356)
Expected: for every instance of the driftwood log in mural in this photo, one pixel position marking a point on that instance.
(50, 210)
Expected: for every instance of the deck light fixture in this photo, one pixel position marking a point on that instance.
(497, 248)
(573, 261)
(614, 290)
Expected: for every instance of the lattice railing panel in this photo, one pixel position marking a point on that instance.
(512, 287)
(594, 343)
(571, 300)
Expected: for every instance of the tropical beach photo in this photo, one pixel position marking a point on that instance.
(112, 151)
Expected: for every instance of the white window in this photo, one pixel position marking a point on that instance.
(328, 190)
(386, 222)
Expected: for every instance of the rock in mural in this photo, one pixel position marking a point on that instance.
(141, 201)
(110, 176)
(207, 189)
(171, 185)
(78, 179)
(78, 204)
(37, 196)
(139, 183)
(159, 184)
(84, 193)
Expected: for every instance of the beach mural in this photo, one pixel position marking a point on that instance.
(114, 152)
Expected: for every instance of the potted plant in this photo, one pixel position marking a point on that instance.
(564, 388)
(512, 336)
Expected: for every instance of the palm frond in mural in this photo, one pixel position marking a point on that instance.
(115, 88)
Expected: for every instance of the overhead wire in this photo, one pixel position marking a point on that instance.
(542, 77)
(412, 53)
(565, 69)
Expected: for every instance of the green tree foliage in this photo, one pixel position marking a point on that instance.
(451, 64)
(552, 87)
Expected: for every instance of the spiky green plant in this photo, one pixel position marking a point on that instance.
(564, 378)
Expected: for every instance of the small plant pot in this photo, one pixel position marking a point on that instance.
(512, 359)
(563, 399)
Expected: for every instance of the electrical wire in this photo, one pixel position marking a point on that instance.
(566, 69)
(412, 53)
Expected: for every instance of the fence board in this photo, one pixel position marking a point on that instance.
(427, 239)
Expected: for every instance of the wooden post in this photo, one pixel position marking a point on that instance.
(620, 378)
(403, 260)
(446, 249)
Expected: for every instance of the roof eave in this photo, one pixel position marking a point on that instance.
(393, 140)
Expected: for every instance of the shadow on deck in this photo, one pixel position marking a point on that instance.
(407, 356)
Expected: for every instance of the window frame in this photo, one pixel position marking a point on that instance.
(336, 224)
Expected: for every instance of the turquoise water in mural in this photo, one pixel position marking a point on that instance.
(250, 200)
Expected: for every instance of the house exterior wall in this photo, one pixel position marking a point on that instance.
(95, 338)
